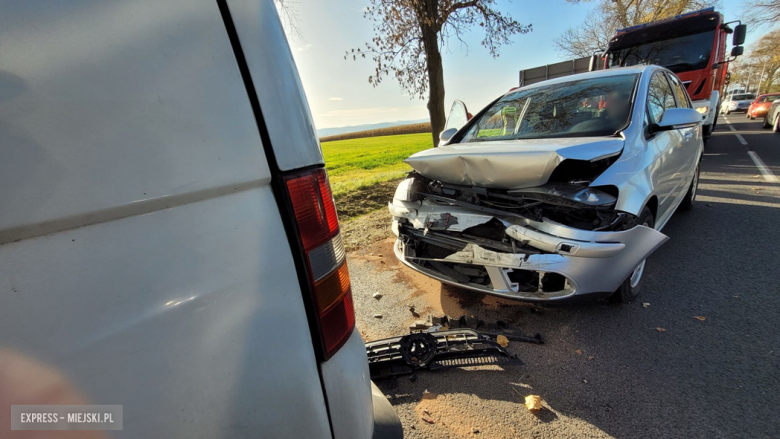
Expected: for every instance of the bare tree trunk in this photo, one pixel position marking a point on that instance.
(435, 73)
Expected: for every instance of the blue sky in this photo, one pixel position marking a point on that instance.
(338, 90)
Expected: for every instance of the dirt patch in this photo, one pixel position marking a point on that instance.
(445, 413)
(366, 200)
(363, 231)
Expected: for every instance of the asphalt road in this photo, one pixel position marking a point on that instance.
(606, 370)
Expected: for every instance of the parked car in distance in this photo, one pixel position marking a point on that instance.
(165, 244)
(556, 190)
(772, 117)
(737, 103)
(759, 107)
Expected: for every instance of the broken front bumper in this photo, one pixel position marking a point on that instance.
(551, 262)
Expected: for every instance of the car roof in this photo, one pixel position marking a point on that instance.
(589, 75)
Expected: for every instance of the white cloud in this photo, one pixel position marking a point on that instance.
(336, 99)
(302, 48)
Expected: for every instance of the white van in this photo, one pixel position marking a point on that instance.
(168, 240)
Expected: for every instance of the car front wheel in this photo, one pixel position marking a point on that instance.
(776, 125)
(629, 289)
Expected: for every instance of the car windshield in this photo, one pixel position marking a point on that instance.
(768, 98)
(743, 97)
(681, 54)
(588, 107)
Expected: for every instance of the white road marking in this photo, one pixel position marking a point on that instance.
(739, 136)
(768, 175)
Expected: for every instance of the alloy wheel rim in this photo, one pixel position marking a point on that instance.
(636, 276)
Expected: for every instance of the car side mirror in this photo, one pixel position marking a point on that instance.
(446, 135)
(737, 50)
(677, 118)
(739, 35)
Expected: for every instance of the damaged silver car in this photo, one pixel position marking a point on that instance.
(554, 190)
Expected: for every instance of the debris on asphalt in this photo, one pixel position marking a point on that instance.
(430, 421)
(590, 357)
(700, 318)
(403, 355)
(645, 304)
(579, 351)
(533, 402)
(445, 322)
(585, 381)
(377, 316)
(475, 430)
(502, 340)
(659, 329)
(427, 412)
(377, 295)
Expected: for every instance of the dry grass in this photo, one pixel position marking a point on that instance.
(414, 128)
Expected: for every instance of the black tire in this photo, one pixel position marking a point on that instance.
(776, 125)
(690, 196)
(630, 288)
(766, 123)
(706, 132)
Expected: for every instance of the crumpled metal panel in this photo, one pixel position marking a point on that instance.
(510, 164)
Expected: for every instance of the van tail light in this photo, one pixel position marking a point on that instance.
(317, 226)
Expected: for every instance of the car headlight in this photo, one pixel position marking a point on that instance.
(582, 195)
(703, 110)
(592, 197)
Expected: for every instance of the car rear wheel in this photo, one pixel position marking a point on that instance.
(629, 289)
(687, 202)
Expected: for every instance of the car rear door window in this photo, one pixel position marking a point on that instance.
(659, 97)
(682, 96)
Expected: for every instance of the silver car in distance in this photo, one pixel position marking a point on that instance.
(555, 190)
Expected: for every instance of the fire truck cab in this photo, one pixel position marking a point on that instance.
(692, 45)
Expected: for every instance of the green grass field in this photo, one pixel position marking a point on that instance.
(361, 163)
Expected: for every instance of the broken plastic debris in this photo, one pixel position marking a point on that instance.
(503, 341)
(533, 402)
(659, 329)
(645, 304)
(700, 318)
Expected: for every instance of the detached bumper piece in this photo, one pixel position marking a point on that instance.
(434, 351)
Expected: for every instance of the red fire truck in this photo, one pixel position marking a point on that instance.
(692, 45)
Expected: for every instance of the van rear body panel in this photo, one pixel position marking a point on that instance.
(142, 253)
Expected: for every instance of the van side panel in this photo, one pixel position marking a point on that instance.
(279, 90)
(142, 253)
(191, 318)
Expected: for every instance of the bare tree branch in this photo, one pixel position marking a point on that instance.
(409, 36)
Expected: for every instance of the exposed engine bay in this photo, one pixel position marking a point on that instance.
(539, 243)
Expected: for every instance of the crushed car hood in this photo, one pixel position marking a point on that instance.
(509, 164)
